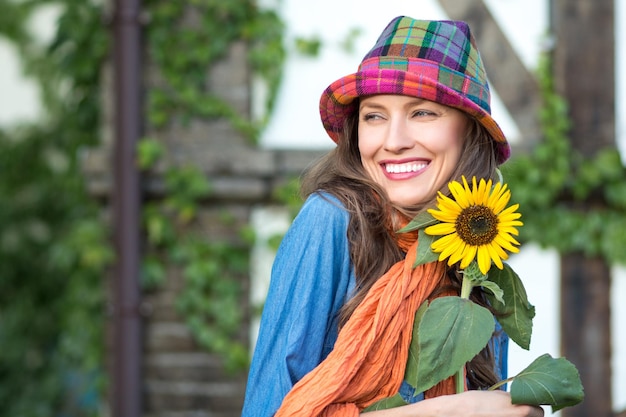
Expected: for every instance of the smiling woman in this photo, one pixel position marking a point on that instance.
(525, 24)
(339, 316)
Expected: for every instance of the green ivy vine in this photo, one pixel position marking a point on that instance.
(571, 202)
(54, 244)
(54, 247)
(212, 270)
(185, 40)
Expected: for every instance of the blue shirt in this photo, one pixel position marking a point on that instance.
(312, 278)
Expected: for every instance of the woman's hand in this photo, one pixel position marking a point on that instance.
(486, 404)
(466, 404)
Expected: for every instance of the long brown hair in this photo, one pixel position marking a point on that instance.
(373, 218)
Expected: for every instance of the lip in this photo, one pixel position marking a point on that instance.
(402, 169)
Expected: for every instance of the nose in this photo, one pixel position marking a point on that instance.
(398, 137)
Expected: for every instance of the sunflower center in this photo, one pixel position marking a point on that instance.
(477, 225)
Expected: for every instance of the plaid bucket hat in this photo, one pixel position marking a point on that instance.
(433, 60)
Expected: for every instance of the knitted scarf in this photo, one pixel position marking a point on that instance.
(368, 361)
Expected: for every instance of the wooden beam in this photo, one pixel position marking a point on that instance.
(508, 76)
(586, 330)
(584, 68)
(584, 76)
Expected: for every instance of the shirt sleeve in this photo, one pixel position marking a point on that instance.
(500, 345)
(311, 279)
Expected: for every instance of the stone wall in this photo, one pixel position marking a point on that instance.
(179, 378)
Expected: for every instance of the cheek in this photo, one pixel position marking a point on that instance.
(452, 144)
(367, 152)
(454, 149)
(367, 145)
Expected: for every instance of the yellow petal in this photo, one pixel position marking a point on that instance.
(510, 221)
(497, 191)
(444, 216)
(440, 244)
(482, 191)
(445, 203)
(501, 202)
(451, 250)
(459, 194)
(469, 192)
(499, 198)
(508, 238)
(511, 211)
(446, 246)
(497, 249)
(440, 229)
(470, 254)
(504, 228)
(484, 260)
(503, 242)
(495, 257)
(458, 253)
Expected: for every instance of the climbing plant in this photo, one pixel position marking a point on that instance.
(185, 40)
(212, 269)
(570, 202)
(53, 246)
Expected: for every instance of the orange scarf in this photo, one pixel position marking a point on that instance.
(368, 361)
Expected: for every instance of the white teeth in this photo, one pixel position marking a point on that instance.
(401, 168)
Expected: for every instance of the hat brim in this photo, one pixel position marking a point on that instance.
(338, 100)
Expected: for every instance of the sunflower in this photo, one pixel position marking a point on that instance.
(475, 224)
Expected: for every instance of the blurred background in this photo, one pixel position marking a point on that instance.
(149, 155)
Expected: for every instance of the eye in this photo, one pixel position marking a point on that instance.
(371, 116)
(423, 113)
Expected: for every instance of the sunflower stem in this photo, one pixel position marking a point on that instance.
(466, 290)
(460, 380)
(466, 287)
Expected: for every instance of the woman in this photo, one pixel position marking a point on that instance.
(338, 318)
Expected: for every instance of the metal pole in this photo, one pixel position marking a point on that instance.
(126, 194)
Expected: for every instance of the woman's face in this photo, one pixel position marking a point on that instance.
(409, 146)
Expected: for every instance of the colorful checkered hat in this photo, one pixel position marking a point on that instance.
(433, 60)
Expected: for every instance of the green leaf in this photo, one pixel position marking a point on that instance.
(516, 313)
(309, 47)
(424, 253)
(452, 331)
(420, 221)
(149, 151)
(494, 289)
(410, 373)
(548, 381)
(386, 403)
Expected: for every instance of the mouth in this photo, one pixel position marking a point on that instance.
(403, 168)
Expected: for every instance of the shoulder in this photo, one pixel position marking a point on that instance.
(315, 249)
(321, 213)
(324, 203)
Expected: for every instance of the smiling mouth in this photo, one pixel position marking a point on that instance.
(402, 168)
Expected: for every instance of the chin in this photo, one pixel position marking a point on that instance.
(406, 202)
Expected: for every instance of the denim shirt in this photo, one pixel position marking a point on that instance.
(312, 278)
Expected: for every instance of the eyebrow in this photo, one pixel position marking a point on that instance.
(414, 101)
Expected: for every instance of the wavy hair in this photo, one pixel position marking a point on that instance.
(374, 219)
